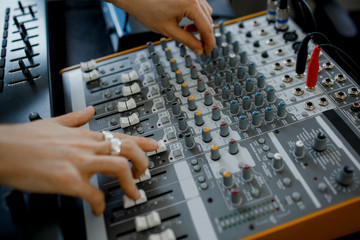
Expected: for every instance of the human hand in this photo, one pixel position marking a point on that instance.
(54, 156)
(164, 16)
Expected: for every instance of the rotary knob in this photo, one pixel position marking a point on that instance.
(345, 176)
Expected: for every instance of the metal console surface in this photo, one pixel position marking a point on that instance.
(250, 153)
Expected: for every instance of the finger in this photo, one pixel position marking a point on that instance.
(186, 38)
(94, 197)
(76, 119)
(132, 151)
(191, 28)
(115, 166)
(207, 10)
(146, 144)
(204, 27)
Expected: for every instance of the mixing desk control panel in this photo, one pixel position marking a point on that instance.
(24, 62)
(248, 148)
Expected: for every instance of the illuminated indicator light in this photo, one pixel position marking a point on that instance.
(227, 174)
(214, 147)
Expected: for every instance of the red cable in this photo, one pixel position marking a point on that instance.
(313, 68)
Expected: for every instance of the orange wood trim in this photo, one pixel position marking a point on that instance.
(157, 42)
(329, 223)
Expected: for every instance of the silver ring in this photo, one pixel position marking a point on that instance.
(115, 146)
(108, 135)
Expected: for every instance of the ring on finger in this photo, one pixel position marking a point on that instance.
(115, 146)
(107, 135)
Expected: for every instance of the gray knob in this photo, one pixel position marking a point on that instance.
(234, 107)
(256, 44)
(256, 119)
(217, 79)
(183, 126)
(163, 43)
(345, 176)
(243, 123)
(200, 85)
(261, 81)
(228, 37)
(269, 114)
(228, 76)
(150, 47)
(236, 47)
(319, 143)
(173, 65)
(224, 49)
(270, 95)
(249, 85)
(182, 50)
(259, 99)
(185, 90)
(155, 57)
(165, 81)
(209, 67)
(214, 53)
(159, 69)
(224, 129)
(208, 98)
(277, 164)
(189, 141)
(191, 103)
(236, 198)
(221, 63)
(179, 77)
(232, 60)
(243, 57)
(168, 54)
(204, 57)
(218, 39)
(194, 72)
(233, 147)
(225, 94)
(237, 89)
(214, 153)
(199, 121)
(215, 113)
(252, 69)
(170, 96)
(299, 151)
(206, 135)
(188, 61)
(247, 174)
(246, 103)
(228, 179)
(176, 108)
(222, 27)
(281, 111)
(240, 72)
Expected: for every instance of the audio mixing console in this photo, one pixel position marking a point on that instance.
(247, 148)
(24, 62)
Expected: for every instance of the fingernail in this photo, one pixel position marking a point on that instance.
(199, 51)
(136, 194)
(153, 143)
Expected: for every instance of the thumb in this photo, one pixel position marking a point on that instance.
(76, 119)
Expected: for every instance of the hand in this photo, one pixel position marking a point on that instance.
(164, 16)
(54, 156)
